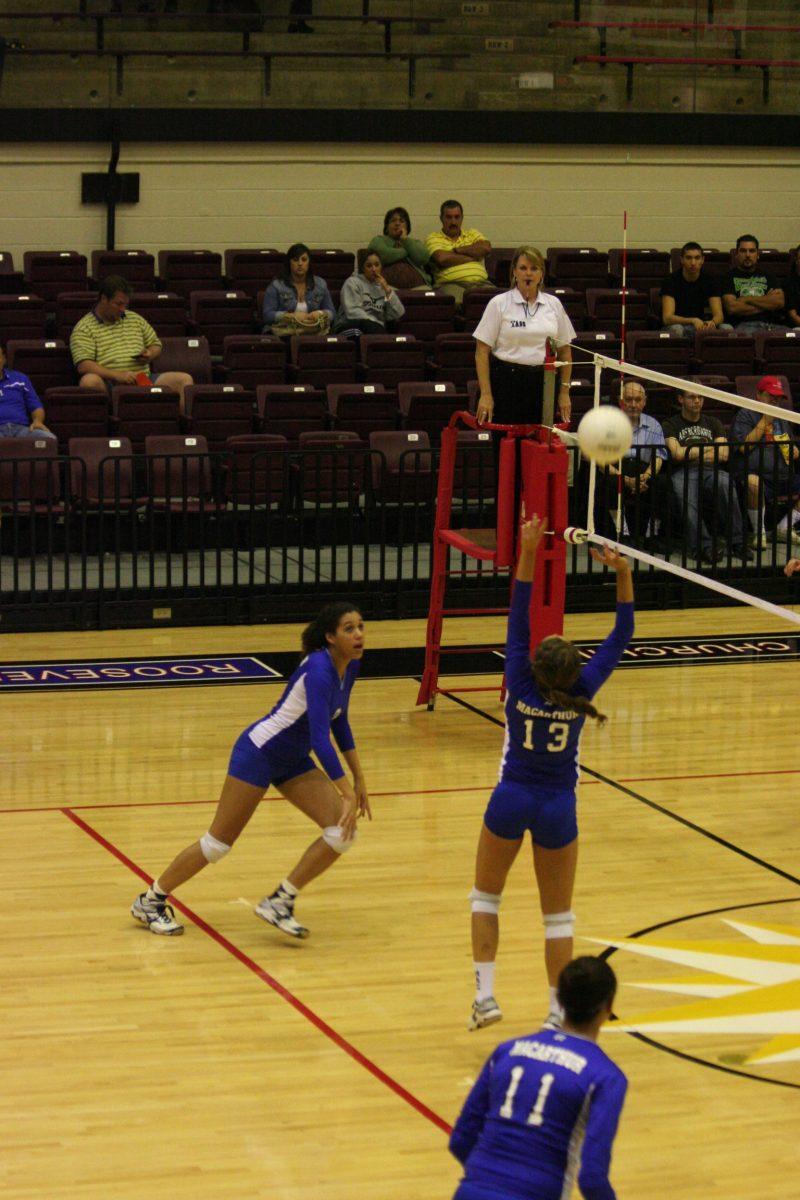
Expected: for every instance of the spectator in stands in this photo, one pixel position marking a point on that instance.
(404, 259)
(21, 410)
(368, 301)
(697, 447)
(690, 297)
(770, 458)
(792, 290)
(641, 464)
(297, 301)
(753, 298)
(112, 345)
(457, 254)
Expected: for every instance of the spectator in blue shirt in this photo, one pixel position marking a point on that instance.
(21, 410)
(639, 467)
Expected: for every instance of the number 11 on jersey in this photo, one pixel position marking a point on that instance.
(536, 1115)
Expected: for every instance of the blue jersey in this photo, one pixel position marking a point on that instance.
(313, 705)
(544, 1108)
(541, 742)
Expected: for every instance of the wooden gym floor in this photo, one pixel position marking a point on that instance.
(233, 1062)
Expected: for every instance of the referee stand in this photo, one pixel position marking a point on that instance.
(543, 463)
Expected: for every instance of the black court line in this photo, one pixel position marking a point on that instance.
(666, 812)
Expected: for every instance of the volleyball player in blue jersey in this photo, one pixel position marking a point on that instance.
(546, 1107)
(548, 700)
(276, 750)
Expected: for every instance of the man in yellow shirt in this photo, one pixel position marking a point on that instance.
(457, 254)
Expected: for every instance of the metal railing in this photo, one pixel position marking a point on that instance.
(270, 535)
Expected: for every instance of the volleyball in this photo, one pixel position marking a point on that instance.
(605, 434)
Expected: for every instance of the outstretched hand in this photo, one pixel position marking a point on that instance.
(531, 532)
(792, 565)
(607, 557)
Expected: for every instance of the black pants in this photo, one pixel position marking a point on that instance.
(518, 393)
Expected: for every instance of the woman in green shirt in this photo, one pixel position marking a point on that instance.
(403, 258)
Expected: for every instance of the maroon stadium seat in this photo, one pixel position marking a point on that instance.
(605, 308)
(362, 407)
(728, 354)
(222, 314)
(332, 468)
(402, 466)
(137, 267)
(251, 270)
(660, 352)
(76, 412)
(22, 317)
(428, 313)
(139, 412)
(578, 267)
(321, 360)
(454, 358)
(185, 354)
(187, 271)
(390, 358)
(179, 472)
(165, 311)
(257, 474)
(291, 409)
(253, 359)
(30, 480)
(47, 362)
(48, 272)
(218, 411)
(70, 307)
(101, 472)
(428, 406)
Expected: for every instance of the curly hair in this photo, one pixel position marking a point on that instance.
(327, 621)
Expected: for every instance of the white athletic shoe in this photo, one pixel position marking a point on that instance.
(553, 1020)
(484, 1012)
(280, 916)
(159, 917)
(759, 539)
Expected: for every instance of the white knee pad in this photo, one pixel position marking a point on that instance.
(332, 836)
(559, 925)
(213, 850)
(484, 902)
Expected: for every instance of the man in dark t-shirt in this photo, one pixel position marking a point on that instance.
(753, 298)
(690, 297)
(696, 445)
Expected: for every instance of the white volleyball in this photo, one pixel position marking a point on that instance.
(605, 434)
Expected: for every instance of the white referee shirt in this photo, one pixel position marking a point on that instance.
(516, 330)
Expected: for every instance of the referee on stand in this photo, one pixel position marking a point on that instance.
(511, 343)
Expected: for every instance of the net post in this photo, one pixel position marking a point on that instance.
(544, 486)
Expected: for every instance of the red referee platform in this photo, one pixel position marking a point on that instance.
(542, 462)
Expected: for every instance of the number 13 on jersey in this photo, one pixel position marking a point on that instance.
(558, 733)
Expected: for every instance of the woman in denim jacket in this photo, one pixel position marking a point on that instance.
(297, 291)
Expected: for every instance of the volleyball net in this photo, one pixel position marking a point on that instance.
(711, 486)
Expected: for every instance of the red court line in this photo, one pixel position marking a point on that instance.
(271, 982)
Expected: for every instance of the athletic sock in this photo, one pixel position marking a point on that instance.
(156, 893)
(783, 524)
(555, 1007)
(285, 893)
(484, 980)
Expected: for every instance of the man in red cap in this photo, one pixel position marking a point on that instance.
(770, 456)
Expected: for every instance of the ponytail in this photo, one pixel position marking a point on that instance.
(556, 665)
(313, 636)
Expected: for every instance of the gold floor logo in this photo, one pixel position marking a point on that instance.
(745, 990)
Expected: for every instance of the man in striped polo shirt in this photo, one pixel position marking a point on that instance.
(113, 345)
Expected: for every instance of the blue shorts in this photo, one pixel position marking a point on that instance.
(549, 815)
(251, 765)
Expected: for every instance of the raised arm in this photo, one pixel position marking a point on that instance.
(518, 637)
(608, 654)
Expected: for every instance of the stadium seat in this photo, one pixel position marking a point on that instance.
(187, 271)
(253, 359)
(332, 468)
(178, 473)
(291, 409)
(779, 354)
(334, 266)
(728, 354)
(578, 267)
(251, 270)
(165, 311)
(428, 406)
(454, 359)
(645, 268)
(474, 303)
(660, 352)
(30, 480)
(185, 354)
(101, 472)
(257, 472)
(70, 307)
(140, 411)
(746, 386)
(321, 360)
(217, 411)
(47, 362)
(22, 317)
(401, 466)
(48, 272)
(598, 341)
(474, 475)
(76, 412)
(11, 282)
(362, 407)
(391, 358)
(218, 315)
(574, 305)
(605, 308)
(137, 267)
(498, 265)
(428, 313)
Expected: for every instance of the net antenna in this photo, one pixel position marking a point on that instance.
(622, 332)
(623, 368)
